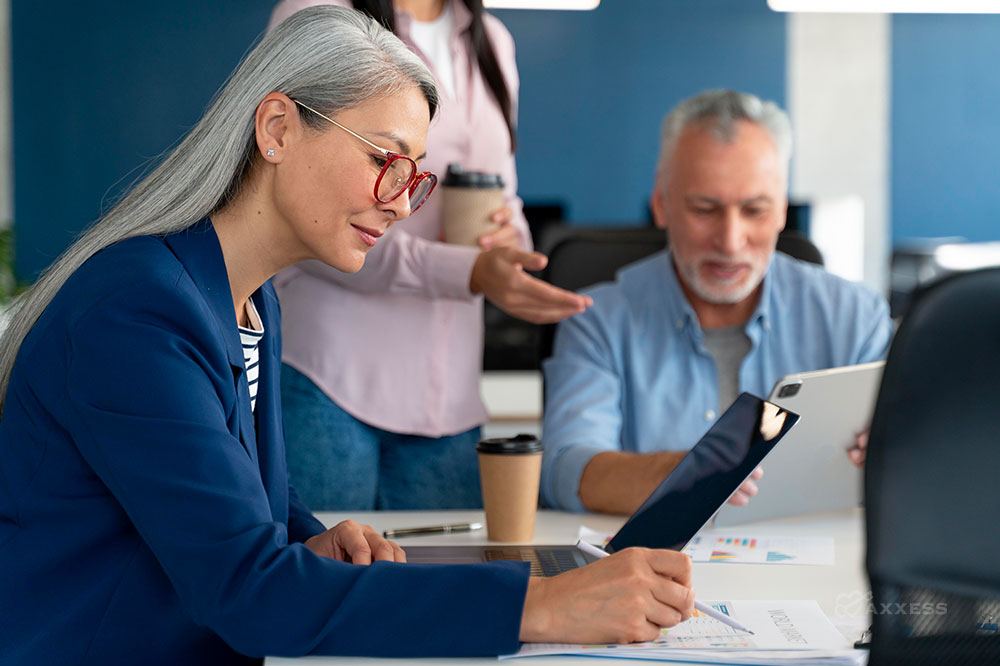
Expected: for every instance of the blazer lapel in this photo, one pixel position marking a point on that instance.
(247, 433)
(198, 249)
(270, 442)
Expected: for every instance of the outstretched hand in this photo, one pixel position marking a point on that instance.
(499, 274)
(349, 541)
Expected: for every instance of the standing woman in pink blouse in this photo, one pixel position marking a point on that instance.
(380, 382)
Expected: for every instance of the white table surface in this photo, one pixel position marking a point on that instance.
(838, 589)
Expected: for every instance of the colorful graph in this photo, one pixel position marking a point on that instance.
(722, 555)
(702, 631)
(774, 556)
(747, 548)
(722, 607)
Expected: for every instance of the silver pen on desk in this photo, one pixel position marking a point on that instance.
(705, 609)
(435, 529)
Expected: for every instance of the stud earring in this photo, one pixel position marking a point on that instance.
(270, 152)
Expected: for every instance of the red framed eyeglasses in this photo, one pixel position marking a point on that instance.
(399, 173)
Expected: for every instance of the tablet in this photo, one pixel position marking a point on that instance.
(810, 472)
(707, 476)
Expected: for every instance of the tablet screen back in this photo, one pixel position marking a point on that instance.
(706, 477)
(810, 471)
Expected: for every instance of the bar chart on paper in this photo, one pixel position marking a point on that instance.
(755, 549)
(702, 631)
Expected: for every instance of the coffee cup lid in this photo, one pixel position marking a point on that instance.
(456, 176)
(510, 445)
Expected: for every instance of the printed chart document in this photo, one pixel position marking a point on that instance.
(790, 632)
(744, 547)
(749, 548)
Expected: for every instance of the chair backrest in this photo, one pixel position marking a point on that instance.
(931, 481)
(796, 245)
(589, 256)
(584, 258)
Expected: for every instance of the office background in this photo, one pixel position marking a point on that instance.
(897, 109)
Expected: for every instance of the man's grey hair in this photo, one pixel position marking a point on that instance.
(720, 111)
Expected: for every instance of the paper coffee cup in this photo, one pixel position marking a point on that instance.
(469, 200)
(509, 471)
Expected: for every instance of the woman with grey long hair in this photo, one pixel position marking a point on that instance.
(145, 512)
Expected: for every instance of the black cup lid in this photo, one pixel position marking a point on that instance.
(519, 444)
(456, 176)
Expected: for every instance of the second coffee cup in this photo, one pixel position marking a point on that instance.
(469, 200)
(510, 469)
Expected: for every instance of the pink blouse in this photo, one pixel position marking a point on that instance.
(399, 344)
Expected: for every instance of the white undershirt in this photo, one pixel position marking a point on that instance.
(250, 338)
(433, 38)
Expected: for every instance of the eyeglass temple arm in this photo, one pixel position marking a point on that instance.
(352, 133)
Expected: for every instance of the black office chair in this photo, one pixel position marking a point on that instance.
(589, 256)
(796, 245)
(931, 487)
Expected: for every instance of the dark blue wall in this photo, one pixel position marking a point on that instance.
(595, 86)
(945, 126)
(102, 87)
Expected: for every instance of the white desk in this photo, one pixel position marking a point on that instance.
(838, 589)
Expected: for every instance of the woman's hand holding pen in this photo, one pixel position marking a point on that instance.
(624, 598)
(499, 274)
(349, 541)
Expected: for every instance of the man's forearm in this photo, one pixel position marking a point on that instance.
(619, 482)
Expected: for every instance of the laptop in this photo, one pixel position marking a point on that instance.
(683, 502)
(811, 473)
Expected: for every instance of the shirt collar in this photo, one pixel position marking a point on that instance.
(679, 309)
(762, 315)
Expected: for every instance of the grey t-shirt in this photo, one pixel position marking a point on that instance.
(728, 346)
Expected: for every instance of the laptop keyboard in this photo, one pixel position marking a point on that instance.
(543, 561)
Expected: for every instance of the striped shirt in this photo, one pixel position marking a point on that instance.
(250, 338)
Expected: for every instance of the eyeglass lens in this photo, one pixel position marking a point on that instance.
(421, 191)
(395, 177)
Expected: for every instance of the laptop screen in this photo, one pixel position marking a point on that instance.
(707, 476)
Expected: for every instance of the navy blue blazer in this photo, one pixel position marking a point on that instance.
(145, 511)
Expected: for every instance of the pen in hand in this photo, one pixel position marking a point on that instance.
(702, 608)
(435, 529)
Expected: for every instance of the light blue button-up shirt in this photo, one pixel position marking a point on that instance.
(632, 374)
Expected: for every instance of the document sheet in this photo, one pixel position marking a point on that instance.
(751, 548)
(784, 631)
